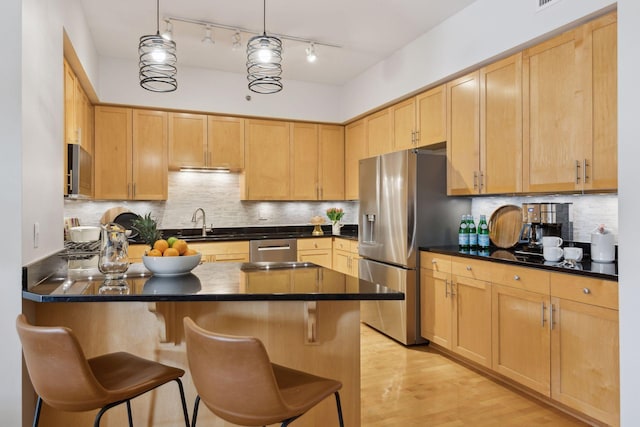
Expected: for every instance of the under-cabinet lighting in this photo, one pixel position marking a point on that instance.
(204, 170)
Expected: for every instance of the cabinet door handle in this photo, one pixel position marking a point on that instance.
(577, 172)
(586, 291)
(475, 180)
(481, 180)
(516, 277)
(542, 308)
(134, 191)
(585, 177)
(451, 292)
(413, 138)
(446, 288)
(551, 317)
(468, 268)
(417, 137)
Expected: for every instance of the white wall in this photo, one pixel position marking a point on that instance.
(214, 91)
(10, 199)
(629, 206)
(483, 30)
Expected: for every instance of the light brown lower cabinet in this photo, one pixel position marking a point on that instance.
(316, 250)
(554, 333)
(456, 306)
(345, 256)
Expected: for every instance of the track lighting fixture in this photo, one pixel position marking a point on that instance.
(236, 41)
(311, 53)
(168, 32)
(157, 60)
(207, 36)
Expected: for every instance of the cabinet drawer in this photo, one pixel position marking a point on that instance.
(346, 245)
(435, 262)
(525, 278)
(220, 248)
(603, 293)
(314, 243)
(472, 268)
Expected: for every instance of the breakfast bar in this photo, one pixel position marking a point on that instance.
(307, 316)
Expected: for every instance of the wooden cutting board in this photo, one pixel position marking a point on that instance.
(110, 214)
(505, 226)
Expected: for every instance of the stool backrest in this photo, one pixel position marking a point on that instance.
(58, 368)
(233, 376)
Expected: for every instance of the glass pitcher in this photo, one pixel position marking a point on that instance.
(114, 259)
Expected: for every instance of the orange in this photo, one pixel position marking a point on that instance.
(154, 252)
(191, 252)
(171, 252)
(161, 245)
(181, 246)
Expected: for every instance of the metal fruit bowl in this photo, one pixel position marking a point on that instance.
(171, 265)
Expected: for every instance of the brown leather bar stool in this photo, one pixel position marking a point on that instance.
(66, 380)
(237, 382)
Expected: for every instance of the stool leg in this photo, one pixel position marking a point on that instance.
(195, 411)
(339, 409)
(36, 415)
(184, 403)
(129, 413)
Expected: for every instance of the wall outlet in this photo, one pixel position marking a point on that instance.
(262, 215)
(36, 234)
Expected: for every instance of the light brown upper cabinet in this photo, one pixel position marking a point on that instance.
(78, 123)
(380, 132)
(431, 120)
(130, 154)
(602, 174)
(225, 142)
(484, 144)
(187, 140)
(331, 161)
(463, 135)
(201, 141)
(570, 115)
(267, 161)
(501, 126)
(355, 149)
(304, 161)
(404, 124)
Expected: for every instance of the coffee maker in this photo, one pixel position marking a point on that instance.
(545, 219)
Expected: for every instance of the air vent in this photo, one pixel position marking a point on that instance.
(543, 4)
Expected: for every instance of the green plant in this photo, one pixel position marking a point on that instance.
(147, 228)
(335, 214)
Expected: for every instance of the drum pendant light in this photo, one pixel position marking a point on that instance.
(157, 60)
(264, 57)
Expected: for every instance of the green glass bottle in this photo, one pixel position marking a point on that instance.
(463, 233)
(483, 233)
(473, 237)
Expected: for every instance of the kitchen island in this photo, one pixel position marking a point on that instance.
(307, 316)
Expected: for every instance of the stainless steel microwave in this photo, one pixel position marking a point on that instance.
(79, 172)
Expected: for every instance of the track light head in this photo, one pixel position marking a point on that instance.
(311, 53)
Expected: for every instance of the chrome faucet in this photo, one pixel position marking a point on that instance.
(194, 219)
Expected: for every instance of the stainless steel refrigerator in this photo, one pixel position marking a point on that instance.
(403, 206)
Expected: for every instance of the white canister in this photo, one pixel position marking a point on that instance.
(603, 245)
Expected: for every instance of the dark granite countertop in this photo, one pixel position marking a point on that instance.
(208, 282)
(520, 255)
(348, 231)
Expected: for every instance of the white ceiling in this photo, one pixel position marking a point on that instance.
(368, 31)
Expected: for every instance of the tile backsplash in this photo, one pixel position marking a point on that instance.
(219, 195)
(587, 211)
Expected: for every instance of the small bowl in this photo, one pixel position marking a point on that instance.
(84, 233)
(172, 265)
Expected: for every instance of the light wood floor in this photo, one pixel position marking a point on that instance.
(416, 386)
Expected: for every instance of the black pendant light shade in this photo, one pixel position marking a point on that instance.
(157, 61)
(264, 58)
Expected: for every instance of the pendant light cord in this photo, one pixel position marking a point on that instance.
(158, 16)
(264, 17)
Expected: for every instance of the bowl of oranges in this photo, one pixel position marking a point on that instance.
(171, 257)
